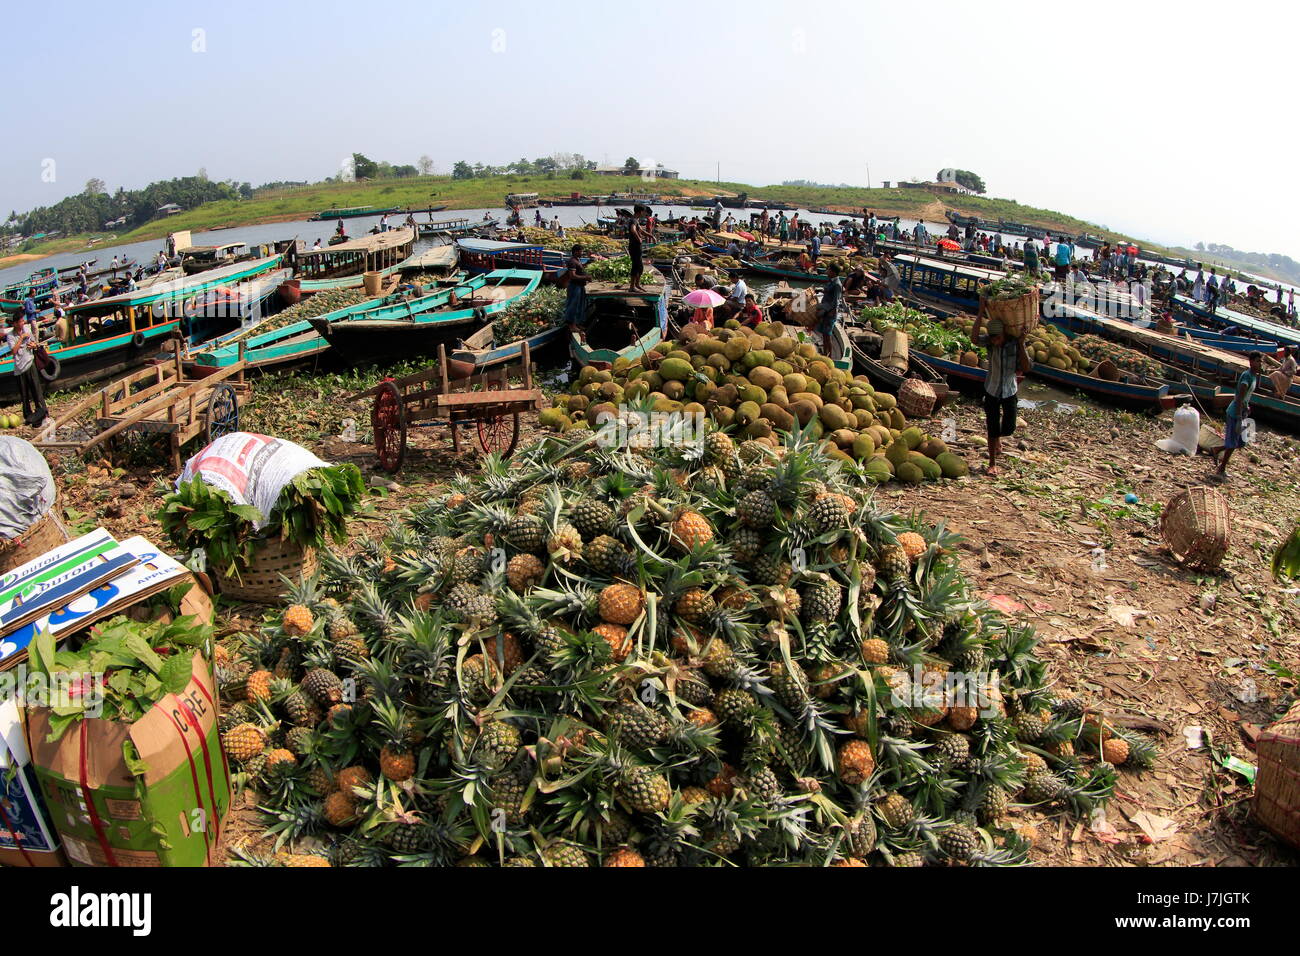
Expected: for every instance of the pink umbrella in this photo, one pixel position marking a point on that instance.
(948, 244)
(703, 299)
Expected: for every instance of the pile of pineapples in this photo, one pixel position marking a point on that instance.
(707, 654)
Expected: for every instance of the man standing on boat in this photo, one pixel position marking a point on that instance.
(828, 310)
(575, 278)
(1031, 257)
(1008, 363)
(1064, 256)
(636, 237)
(1235, 430)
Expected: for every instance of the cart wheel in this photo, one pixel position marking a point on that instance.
(51, 371)
(223, 411)
(388, 419)
(499, 434)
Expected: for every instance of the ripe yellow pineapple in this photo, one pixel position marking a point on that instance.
(624, 856)
(280, 756)
(913, 544)
(300, 859)
(856, 761)
(702, 717)
(690, 530)
(524, 571)
(849, 861)
(340, 809)
(1115, 750)
(693, 795)
(962, 718)
(297, 620)
(615, 635)
(723, 783)
(243, 741)
(396, 763)
(875, 651)
(621, 603)
(258, 686)
(349, 777)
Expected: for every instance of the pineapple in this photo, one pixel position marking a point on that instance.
(324, 686)
(300, 859)
(349, 777)
(772, 569)
(856, 762)
(746, 544)
(509, 792)
(524, 571)
(963, 718)
(695, 605)
(607, 556)
(892, 564)
(875, 651)
(297, 620)
(638, 726)
(564, 544)
(828, 514)
(592, 518)
(959, 842)
(1115, 750)
(756, 510)
(734, 706)
(718, 447)
(789, 685)
(860, 836)
(822, 600)
(763, 783)
(643, 789)
(719, 660)
(480, 678)
(508, 656)
(244, 742)
(340, 809)
(498, 743)
(913, 545)
(692, 690)
(702, 717)
(1043, 787)
(690, 530)
(624, 856)
(993, 806)
(616, 636)
(1029, 727)
(258, 686)
(896, 810)
(621, 603)
(952, 751)
(526, 532)
(565, 854)
(781, 604)
(908, 859)
(280, 758)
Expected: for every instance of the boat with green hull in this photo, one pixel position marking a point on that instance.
(620, 324)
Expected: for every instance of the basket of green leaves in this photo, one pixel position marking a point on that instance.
(1014, 302)
(251, 564)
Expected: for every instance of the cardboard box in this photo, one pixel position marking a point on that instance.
(170, 813)
(27, 837)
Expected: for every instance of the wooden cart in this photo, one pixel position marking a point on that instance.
(157, 399)
(485, 402)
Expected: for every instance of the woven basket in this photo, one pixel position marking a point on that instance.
(46, 535)
(916, 398)
(1277, 784)
(1019, 316)
(1195, 525)
(261, 581)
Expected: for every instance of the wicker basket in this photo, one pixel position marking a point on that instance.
(46, 535)
(1019, 316)
(916, 398)
(1277, 784)
(261, 581)
(1195, 525)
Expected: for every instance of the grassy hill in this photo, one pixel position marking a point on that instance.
(420, 192)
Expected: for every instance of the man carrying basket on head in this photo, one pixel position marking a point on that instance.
(1008, 364)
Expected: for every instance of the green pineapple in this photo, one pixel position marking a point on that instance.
(644, 790)
(565, 854)
(746, 545)
(772, 569)
(592, 518)
(756, 509)
(896, 810)
(526, 532)
(607, 556)
(498, 743)
(638, 726)
(790, 685)
(718, 447)
(822, 600)
(734, 706)
(828, 513)
(952, 751)
(959, 842)
(892, 564)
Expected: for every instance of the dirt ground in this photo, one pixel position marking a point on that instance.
(1191, 658)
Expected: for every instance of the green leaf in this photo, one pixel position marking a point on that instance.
(175, 672)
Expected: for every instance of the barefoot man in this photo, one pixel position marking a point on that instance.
(1008, 363)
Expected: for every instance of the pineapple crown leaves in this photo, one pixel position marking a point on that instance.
(292, 822)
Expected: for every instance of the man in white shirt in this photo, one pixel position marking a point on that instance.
(735, 301)
(21, 340)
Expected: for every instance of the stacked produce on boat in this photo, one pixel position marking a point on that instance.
(705, 654)
(527, 316)
(760, 383)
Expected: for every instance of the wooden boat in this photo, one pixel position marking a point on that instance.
(111, 335)
(310, 286)
(620, 324)
(866, 360)
(352, 212)
(478, 353)
(354, 257)
(287, 345)
(198, 259)
(978, 259)
(450, 227)
(232, 305)
(441, 260)
(416, 325)
(487, 255)
(949, 282)
(759, 267)
(1270, 333)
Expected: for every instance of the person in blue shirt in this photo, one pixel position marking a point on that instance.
(29, 309)
(1238, 415)
(1064, 256)
(814, 247)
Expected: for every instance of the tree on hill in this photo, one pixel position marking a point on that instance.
(425, 165)
(631, 166)
(95, 186)
(363, 168)
(462, 170)
(966, 178)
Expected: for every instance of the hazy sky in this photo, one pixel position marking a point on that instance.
(1167, 120)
